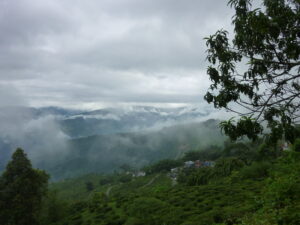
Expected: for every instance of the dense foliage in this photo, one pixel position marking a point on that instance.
(257, 76)
(265, 190)
(21, 191)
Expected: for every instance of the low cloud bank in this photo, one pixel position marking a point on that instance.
(40, 137)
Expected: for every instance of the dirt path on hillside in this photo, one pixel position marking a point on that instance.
(108, 191)
(151, 181)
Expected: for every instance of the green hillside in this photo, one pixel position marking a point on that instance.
(262, 190)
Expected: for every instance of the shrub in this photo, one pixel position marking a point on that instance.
(162, 166)
(125, 178)
(297, 145)
(106, 180)
(256, 170)
(224, 166)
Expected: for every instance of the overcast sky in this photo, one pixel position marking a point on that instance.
(95, 53)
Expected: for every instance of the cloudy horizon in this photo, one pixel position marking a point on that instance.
(93, 54)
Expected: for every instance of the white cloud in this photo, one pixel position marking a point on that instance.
(92, 53)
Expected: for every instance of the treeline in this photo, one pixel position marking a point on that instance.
(264, 189)
(231, 155)
(250, 183)
(22, 190)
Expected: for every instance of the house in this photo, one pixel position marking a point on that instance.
(139, 174)
(189, 164)
(198, 164)
(208, 164)
(175, 170)
(174, 173)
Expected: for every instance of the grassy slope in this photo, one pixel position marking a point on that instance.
(246, 196)
(127, 202)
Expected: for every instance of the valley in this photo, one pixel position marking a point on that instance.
(101, 141)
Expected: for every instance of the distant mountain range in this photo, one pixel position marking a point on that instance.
(79, 123)
(72, 142)
(131, 119)
(106, 153)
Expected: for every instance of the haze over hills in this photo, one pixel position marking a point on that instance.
(106, 153)
(79, 123)
(132, 119)
(72, 142)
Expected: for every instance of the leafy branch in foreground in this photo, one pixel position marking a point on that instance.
(257, 76)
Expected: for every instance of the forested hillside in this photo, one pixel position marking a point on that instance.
(245, 186)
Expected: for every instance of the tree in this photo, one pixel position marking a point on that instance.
(257, 75)
(225, 166)
(163, 165)
(89, 186)
(22, 189)
(297, 145)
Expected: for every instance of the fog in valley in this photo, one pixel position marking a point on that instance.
(89, 87)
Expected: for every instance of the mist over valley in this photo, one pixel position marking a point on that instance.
(68, 143)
